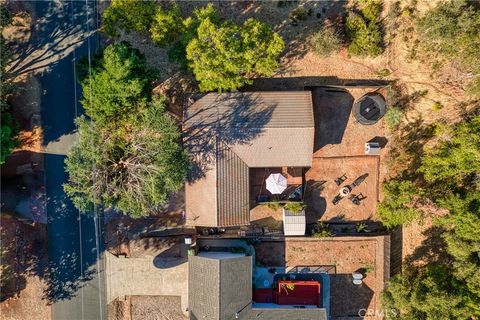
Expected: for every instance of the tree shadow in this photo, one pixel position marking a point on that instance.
(234, 118)
(407, 148)
(301, 21)
(172, 257)
(75, 244)
(317, 204)
(57, 31)
(59, 35)
(432, 249)
(309, 82)
(21, 257)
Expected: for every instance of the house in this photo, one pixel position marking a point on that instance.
(220, 288)
(227, 135)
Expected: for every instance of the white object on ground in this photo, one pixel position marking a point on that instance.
(357, 278)
(372, 148)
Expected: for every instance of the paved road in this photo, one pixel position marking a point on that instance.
(75, 252)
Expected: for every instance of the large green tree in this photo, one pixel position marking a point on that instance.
(8, 124)
(447, 288)
(228, 56)
(128, 156)
(167, 25)
(129, 15)
(222, 56)
(457, 157)
(131, 168)
(364, 30)
(118, 84)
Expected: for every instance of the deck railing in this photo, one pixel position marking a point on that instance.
(314, 269)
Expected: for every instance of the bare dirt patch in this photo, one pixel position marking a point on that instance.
(156, 308)
(23, 266)
(119, 309)
(325, 171)
(337, 132)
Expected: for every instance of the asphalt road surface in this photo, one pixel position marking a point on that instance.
(63, 32)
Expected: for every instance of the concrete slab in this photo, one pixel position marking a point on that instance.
(140, 277)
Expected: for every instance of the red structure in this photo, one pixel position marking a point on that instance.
(298, 293)
(263, 296)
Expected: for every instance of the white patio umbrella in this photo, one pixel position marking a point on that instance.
(276, 183)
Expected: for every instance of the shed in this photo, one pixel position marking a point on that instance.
(294, 223)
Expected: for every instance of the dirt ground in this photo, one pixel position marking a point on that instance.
(319, 198)
(156, 308)
(23, 264)
(146, 308)
(347, 254)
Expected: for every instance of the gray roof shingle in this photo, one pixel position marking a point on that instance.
(218, 288)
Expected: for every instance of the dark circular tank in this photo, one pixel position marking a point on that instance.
(369, 109)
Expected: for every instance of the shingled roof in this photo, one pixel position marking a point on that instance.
(228, 133)
(218, 288)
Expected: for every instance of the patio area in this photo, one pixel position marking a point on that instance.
(321, 189)
(339, 159)
(337, 132)
(262, 215)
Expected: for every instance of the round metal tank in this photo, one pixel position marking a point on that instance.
(369, 109)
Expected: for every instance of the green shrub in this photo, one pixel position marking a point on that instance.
(437, 106)
(8, 135)
(361, 227)
(299, 13)
(326, 41)
(364, 31)
(393, 117)
(166, 25)
(382, 73)
(322, 230)
(397, 207)
(274, 206)
(128, 15)
(456, 158)
(370, 9)
(294, 207)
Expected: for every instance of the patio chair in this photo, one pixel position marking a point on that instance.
(337, 199)
(341, 179)
(357, 199)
